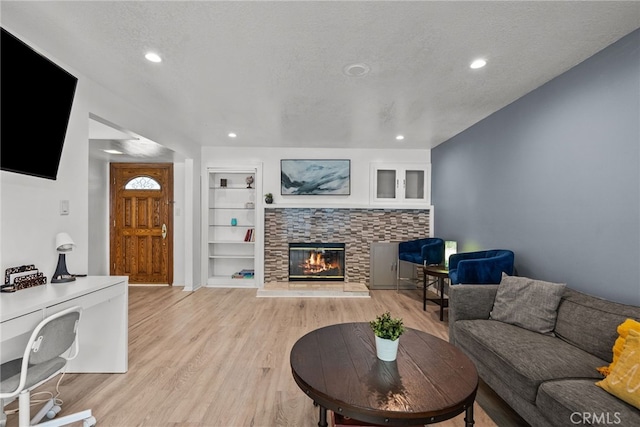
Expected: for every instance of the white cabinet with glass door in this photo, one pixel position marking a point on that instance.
(230, 198)
(407, 183)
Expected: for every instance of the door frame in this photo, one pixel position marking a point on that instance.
(112, 218)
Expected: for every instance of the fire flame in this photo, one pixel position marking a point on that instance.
(317, 264)
(316, 259)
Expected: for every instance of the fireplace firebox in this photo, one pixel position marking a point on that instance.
(316, 261)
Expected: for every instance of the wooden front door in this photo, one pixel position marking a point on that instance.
(142, 222)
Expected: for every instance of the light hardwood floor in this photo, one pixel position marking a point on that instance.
(220, 357)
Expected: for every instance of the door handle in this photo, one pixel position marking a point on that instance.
(164, 231)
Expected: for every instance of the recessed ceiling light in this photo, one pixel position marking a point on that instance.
(400, 137)
(232, 135)
(478, 63)
(113, 151)
(356, 70)
(153, 57)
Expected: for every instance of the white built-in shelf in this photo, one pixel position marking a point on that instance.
(225, 251)
(231, 257)
(232, 188)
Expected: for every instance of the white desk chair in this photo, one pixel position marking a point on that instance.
(43, 359)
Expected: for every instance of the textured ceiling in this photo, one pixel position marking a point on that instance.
(132, 147)
(272, 72)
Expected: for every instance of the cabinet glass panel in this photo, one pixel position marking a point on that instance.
(386, 184)
(414, 185)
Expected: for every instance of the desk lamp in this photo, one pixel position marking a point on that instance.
(64, 244)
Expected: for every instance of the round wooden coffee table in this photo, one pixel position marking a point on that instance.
(431, 380)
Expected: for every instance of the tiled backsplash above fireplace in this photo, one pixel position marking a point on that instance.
(356, 227)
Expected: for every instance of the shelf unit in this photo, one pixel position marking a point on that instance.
(231, 232)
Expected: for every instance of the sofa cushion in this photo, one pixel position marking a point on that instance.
(571, 401)
(624, 379)
(528, 303)
(590, 323)
(523, 358)
(623, 331)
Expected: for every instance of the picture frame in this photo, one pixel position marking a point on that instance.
(326, 177)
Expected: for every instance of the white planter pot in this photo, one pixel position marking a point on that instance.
(386, 350)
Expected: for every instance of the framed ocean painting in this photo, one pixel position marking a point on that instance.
(315, 177)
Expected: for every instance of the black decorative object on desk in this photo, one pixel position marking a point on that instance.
(22, 277)
(249, 181)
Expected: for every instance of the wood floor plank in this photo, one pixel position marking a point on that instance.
(220, 357)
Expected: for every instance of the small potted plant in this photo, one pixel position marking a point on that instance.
(268, 198)
(387, 331)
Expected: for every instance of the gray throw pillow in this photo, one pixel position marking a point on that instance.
(528, 303)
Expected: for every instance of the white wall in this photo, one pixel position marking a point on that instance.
(178, 225)
(270, 158)
(98, 217)
(29, 215)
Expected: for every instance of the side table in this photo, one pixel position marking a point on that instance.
(441, 272)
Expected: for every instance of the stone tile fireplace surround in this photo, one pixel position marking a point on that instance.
(356, 227)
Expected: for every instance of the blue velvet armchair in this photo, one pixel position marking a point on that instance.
(481, 267)
(425, 251)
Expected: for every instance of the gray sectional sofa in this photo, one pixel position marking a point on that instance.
(548, 379)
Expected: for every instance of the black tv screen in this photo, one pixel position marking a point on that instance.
(36, 99)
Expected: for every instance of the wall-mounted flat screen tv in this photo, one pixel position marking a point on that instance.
(36, 99)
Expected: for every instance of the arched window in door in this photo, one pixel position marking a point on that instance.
(142, 183)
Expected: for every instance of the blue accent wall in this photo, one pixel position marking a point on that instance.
(555, 176)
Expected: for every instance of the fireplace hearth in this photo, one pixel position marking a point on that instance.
(316, 261)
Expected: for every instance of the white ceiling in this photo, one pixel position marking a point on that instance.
(130, 146)
(272, 71)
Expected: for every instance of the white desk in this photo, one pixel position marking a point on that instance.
(104, 323)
